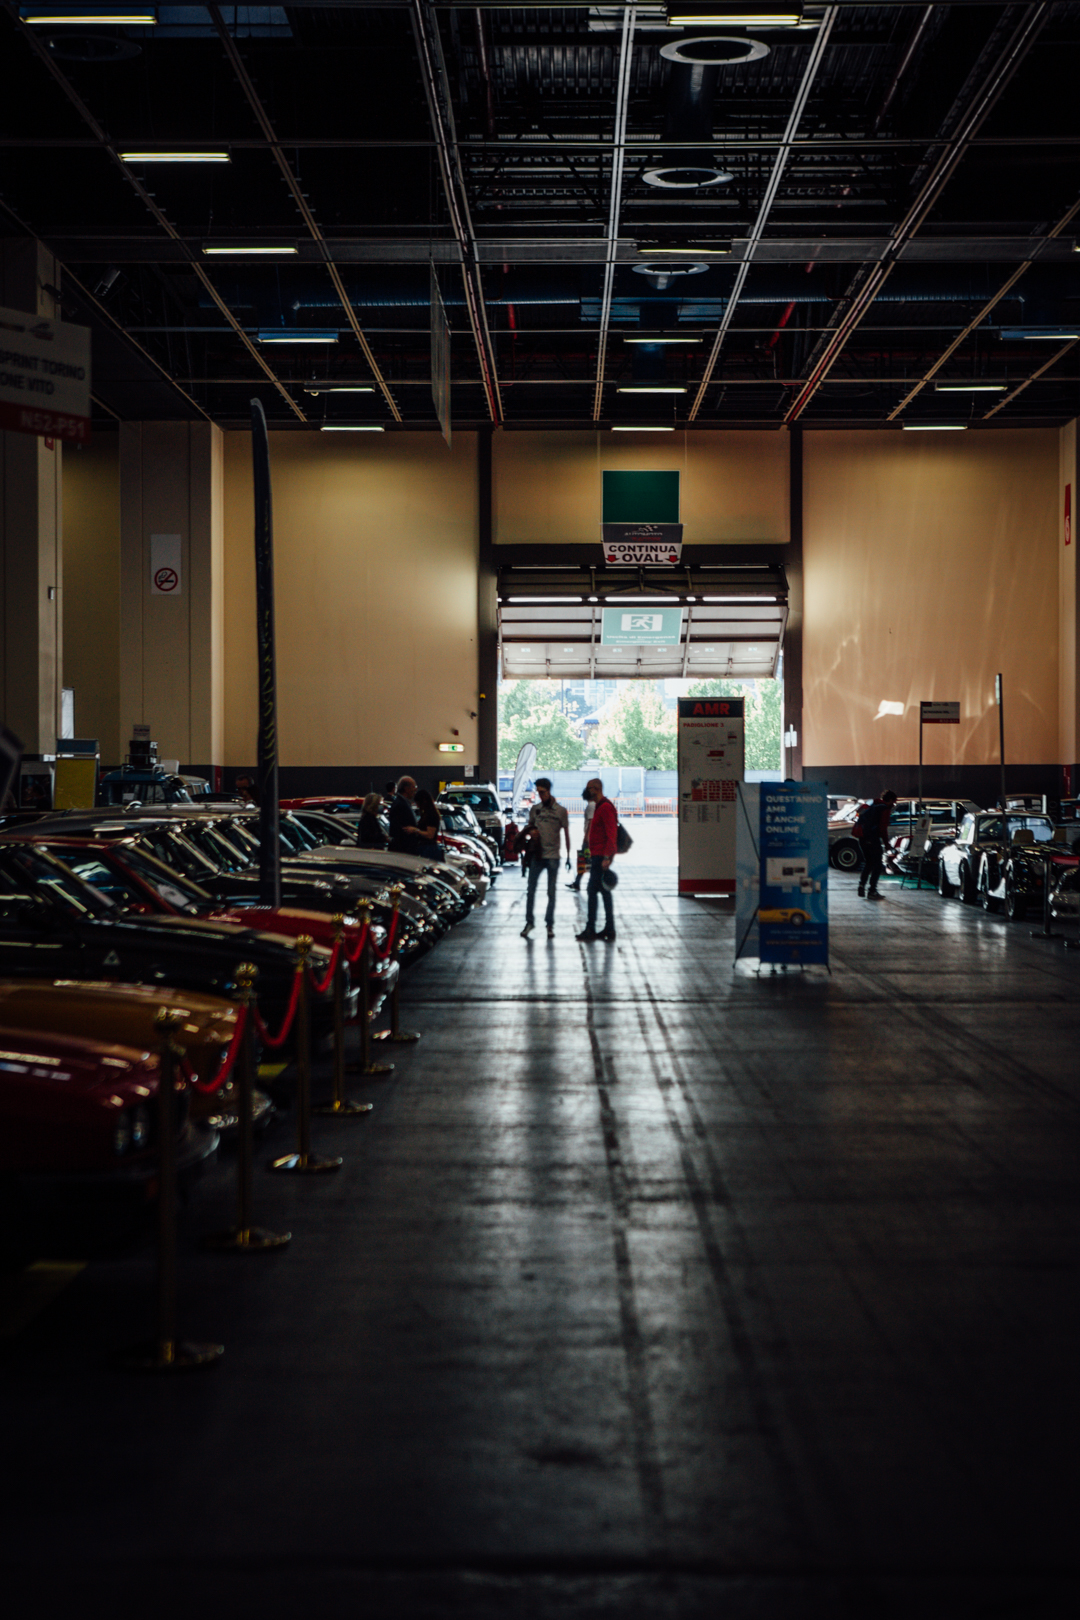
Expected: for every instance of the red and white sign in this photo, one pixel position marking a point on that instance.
(44, 377)
(165, 574)
(939, 714)
(1068, 514)
(711, 747)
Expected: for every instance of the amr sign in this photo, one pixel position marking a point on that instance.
(711, 753)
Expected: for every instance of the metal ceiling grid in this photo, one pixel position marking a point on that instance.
(896, 170)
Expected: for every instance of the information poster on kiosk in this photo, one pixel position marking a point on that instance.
(783, 848)
(711, 751)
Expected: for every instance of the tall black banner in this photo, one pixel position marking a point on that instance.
(267, 774)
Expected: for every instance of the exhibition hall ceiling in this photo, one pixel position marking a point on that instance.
(637, 217)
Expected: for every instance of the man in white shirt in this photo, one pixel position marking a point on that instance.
(546, 821)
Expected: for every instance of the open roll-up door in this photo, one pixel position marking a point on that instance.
(729, 623)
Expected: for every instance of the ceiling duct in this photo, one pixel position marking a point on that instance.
(691, 90)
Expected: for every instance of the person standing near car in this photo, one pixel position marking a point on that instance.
(603, 843)
(404, 833)
(547, 819)
(371, 835)
(872, 830)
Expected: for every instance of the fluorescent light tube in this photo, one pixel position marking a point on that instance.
(684, 17)
(934, 427)
(663, 340)
(643, 430)
(283, 335)
(356, 427)
(94, 19)
(175, 157)
(736, 599)
(650, 388)
(970, 387)
(536, 600)
(216, 250)
(691, 252)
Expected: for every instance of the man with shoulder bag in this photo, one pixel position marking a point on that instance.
(547, 820)
(603, 846)
(583, 852)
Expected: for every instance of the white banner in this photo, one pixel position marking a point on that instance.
(44, 376)
(711, 751)
(165, 575)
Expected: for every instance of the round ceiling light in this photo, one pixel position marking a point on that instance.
(715, 51)
(661, 275)
(686, 177)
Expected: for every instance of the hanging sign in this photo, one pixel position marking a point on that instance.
(711, 749)
(44, 377)
(165, 575)
(440, 357)
(648, 545)
(939, 714)
(641, 627)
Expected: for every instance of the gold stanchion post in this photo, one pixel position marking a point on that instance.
(341, 1107)
(244, 1236)
(303, 1161)
(366, 1066)
(395, 1034)
(168, 1353)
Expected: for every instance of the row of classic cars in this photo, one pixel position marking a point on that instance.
(107, 916)
(1008, 861)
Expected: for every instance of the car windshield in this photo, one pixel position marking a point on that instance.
(174, 850)
(479, 799)
(1041, 828)
(217, 849)
(36, 878)
(172, 887)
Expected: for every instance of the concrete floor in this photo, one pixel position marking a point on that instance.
(648, 1289)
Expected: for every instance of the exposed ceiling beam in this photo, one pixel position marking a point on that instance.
(254, 102)
(821, 43)
(38, 47)
(611, 241)
(941, 172)
(1035, 375)
(440, 112)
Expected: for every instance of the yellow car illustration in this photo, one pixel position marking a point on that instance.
(783, 914)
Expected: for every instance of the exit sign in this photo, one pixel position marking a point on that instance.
(451, 748)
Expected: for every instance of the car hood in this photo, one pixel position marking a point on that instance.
(72, 1065)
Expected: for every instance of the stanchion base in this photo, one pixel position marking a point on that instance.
(399, 1039)
(370, 1068)
(1043, 933)
(250, 1239)
(167, 1356)
(305, 1164)
(343, 1110)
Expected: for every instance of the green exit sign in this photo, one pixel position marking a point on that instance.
(451, 748)
(640, 497)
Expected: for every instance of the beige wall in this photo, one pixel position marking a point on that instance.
(92, 590)
(547, 485)
(375, 544)
(1069, 608)
(930, 565)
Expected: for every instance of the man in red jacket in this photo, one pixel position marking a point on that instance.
(603, 832)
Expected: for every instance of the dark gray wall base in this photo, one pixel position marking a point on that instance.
(305, 781)
(982, 783)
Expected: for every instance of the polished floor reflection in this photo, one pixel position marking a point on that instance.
(648, 1288)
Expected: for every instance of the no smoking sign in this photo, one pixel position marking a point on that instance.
(165, 576)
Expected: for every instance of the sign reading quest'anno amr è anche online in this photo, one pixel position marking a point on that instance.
(44, 376)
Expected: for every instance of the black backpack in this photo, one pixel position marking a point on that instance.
(623, 840)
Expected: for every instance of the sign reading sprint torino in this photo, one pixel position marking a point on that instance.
(44, 376)
(641, 627)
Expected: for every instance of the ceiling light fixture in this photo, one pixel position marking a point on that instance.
(175, 157)
(284, 334)
(353, 427)
(934, 427)
(735, 599)
(970, 387)
(714, 51)
(650, 388)
(683, 16)
(341, 388)
(663, 340)
(694, 252)
(629, 429)
(537, 599)
(221, 250)
(93, 19)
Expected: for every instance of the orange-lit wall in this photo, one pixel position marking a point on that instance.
(930, 564)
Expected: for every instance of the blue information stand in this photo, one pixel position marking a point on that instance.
(782, 858)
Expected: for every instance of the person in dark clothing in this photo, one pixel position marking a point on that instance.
(404, 833)
(873, 833)
(370, 834)
(429, 826)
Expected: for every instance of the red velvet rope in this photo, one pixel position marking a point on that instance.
(320, 986)
(361, 941)
(390, 936)
(229, 1060)
(294, 1001)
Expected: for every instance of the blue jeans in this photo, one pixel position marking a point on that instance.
(596, 889)
(551, 866)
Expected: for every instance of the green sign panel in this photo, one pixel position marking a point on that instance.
(641, 497)
(641, 627)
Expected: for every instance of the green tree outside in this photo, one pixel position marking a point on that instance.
(763, 718)
(638, 730)
(527, 714)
